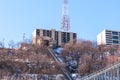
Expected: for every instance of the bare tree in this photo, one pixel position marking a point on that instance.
(90, 58)
(2, 45)
(11, 44)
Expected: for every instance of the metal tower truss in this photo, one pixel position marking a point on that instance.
(65, 18)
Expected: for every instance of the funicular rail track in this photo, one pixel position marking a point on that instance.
(66, 73)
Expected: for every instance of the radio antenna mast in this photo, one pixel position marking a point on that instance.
(65, 17)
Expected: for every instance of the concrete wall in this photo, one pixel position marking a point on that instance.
(101, 38)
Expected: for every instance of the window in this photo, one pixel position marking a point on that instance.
(48, 33)
(115, 37)
(68, 37)
(74, 35)
(63, 40)
(44, 32)
(115, 33)
(56, 37)
(115, 42)
(38, 32)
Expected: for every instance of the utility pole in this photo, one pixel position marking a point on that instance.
(65, 17)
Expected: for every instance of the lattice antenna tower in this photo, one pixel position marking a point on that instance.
(65, 17)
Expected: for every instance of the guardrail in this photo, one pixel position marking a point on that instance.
(98, 73)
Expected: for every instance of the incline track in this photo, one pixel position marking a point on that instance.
(66, 73)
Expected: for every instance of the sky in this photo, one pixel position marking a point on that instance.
(87, 17)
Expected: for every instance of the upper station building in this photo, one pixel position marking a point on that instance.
(108, 37)
(52, 37)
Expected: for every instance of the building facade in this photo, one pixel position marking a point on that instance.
(50, 37)
(108, 37)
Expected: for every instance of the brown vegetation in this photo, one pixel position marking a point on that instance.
(30, 58)
(33, 59)
(89, 58)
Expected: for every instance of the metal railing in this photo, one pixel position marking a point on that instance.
(104, 73)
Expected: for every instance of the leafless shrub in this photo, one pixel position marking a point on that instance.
(90, 58)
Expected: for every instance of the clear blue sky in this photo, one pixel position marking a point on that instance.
(87, 17)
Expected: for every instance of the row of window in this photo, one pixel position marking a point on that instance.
(114, 42)
(113, 33)
(112, 37)
(65, 36)
(48, 33)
